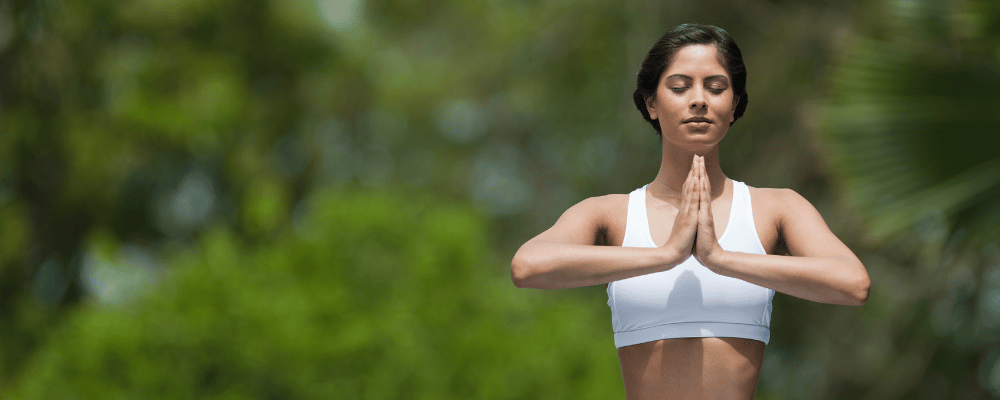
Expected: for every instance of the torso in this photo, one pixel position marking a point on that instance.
(693, 367)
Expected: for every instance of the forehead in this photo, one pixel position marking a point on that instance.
(696, 60)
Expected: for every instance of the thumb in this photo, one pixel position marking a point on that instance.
(704, 201)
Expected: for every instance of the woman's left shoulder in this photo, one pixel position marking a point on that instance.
(776, 202)
(775, 195)
(781, 203)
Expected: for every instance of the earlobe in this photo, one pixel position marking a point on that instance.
(732, 114)
(650, 107)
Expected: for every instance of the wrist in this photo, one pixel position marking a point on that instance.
(671, 256)
(717, 261)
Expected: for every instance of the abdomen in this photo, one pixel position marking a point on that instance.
(692, 368)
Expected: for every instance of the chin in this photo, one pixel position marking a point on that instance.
(695, 146)
(696, 141)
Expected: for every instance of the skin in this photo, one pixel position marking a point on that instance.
(687, 203)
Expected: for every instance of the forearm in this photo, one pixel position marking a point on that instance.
(554, 265)
(822, 279)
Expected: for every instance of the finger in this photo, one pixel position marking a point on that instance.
(694, 167)
(691, 177)
(690, 192)
(707, 189)
(704, 173)
(698, 169)
(701, 167)
(685, 189)
(695, 183)
(704, 178)
(701, 193)
(697, 173)
(701, 198)
(705, 200)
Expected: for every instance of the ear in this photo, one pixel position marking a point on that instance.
(651, 106)
(732, 113)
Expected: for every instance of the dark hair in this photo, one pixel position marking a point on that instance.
(663, 52)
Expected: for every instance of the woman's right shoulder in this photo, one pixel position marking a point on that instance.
(601, 206)
(594, 220)
(603, 216)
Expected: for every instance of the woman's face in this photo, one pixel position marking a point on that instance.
(694, 101)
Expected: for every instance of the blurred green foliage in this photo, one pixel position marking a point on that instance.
(366, 296)
(195, 195)
(909, 117)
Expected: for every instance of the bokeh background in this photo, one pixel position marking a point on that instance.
(319, 199)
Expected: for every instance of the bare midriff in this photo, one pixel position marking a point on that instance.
(692, 368)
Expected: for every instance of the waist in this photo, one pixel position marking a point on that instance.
(712, 367)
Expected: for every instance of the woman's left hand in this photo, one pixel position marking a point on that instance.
(706, 248)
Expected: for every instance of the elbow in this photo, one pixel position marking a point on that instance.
(526, 272)
(520, 271)
(862, 288)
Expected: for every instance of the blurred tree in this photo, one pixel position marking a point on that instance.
(365, 296)
(149, 121)
(140, 138)
(910, 122)
(911, 118)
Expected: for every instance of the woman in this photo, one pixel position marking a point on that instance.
(690, 309)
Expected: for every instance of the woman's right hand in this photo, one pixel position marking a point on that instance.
(567, 255)
(685, 229)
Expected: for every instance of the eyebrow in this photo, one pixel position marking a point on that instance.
(688, 77)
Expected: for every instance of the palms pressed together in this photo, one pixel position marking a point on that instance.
(693, 232)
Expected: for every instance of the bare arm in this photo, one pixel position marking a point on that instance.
(821, 268)
(543, 264)
(566, 255)
(831, 280)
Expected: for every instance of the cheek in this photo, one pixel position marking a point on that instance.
(726, 105)
(672, 103)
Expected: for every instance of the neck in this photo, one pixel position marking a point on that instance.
(674, 168)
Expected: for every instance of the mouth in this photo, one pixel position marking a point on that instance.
(697, 119)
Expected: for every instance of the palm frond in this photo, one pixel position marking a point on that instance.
(914, 131)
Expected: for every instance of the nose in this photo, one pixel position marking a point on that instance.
(698, 100)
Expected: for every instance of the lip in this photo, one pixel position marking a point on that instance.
(697, 119)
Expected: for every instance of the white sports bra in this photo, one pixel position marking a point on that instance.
(690, 300)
